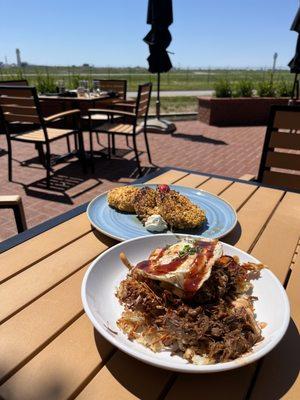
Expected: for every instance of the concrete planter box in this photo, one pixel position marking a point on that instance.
(240, 111)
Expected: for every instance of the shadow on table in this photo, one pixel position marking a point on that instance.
(234, 235)
(198, 138)
(132, 374)
(50, 388)
(279, 369)
(109, 242)
(275, 375)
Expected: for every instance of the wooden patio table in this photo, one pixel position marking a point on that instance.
(55, 104)
(50, 350)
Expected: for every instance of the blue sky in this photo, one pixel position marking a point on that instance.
(214, 33)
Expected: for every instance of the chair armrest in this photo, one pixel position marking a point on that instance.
(9, 201)
(15, 203)
(129, 105)
(63, 114)
(92, 111)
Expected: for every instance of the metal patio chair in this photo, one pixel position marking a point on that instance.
(129, 126)
(21, 104)
(14, 202)
(280, 160)
(117, 86)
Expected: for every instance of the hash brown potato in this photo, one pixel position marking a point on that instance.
(122, 198)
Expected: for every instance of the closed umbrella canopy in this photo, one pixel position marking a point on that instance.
(296, 23)
(294, 64)
(160, 17)
(160, 12)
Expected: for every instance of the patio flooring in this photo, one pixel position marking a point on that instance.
(230, 151)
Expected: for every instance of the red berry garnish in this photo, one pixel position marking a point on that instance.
(164, 188)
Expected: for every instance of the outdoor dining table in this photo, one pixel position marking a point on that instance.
(51, 105)
(50, 350)
(54, 104)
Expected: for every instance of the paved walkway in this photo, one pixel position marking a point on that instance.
(175, 93)
(224, 151)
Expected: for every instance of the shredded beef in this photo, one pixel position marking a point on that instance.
(209, 324)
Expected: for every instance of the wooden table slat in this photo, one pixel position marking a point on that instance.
(31, 251)
(59, 370)
(192, 180)
(293, 291)
(252, 217)
(225, 385)
(60, 356)
(38, 323)
(33, 282)
(237, 194)
(171, 176)
(125, 378)
(215, 185)
(278, 242)
(236, 382)
(283, 362)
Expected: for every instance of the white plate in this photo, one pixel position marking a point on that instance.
(102, 307)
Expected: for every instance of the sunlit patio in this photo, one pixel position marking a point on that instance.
(230, 151)
(149, 200)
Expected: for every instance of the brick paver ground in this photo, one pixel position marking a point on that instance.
(230, 151)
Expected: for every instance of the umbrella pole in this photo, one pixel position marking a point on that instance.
(158, 125)
(295, 89)
(158, 96)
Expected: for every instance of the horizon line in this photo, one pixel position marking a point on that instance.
(186, 68)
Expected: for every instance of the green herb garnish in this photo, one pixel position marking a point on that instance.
(187, 250)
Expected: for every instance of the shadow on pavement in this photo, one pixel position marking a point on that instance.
(198, 138)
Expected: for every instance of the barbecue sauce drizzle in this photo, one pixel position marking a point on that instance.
(197, 271)
(151, 268)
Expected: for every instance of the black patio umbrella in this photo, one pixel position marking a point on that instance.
(294, 64)
(160, 17)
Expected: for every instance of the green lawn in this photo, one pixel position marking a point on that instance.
(174, 80)
(46, 78)
(178, 104)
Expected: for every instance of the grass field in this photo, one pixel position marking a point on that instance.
(178, 104)
(47, 78)
(174, 80)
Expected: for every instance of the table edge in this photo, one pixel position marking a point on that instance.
(45, 97)
(53, 222)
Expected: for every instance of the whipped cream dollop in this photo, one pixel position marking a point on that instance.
(155, 223)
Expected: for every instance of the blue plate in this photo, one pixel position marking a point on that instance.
(220, 216)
